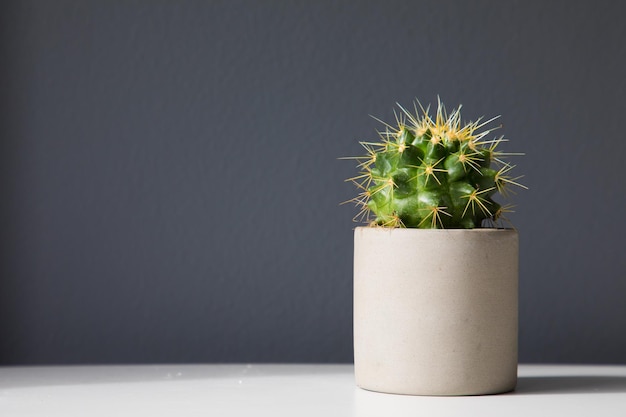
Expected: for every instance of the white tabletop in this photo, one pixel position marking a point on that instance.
(291, 390)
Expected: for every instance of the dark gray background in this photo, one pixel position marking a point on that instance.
(170, 182)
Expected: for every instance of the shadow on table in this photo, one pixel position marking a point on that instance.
(570, 385)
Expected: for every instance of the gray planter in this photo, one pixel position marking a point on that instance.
(435, 311)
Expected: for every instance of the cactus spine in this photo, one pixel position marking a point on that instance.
(433, 173)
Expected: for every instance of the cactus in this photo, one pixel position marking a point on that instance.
(433, 173)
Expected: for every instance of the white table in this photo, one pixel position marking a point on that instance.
(291, 390)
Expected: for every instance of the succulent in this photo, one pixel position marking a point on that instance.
(433, 173)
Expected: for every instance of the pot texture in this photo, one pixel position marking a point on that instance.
(435, 311)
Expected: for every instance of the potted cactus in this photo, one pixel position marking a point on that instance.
(435, 274)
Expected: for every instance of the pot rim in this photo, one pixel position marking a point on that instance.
(416, 230)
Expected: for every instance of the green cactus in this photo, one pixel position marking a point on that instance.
(433, 173)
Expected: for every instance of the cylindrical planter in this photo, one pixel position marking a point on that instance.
(435, 311)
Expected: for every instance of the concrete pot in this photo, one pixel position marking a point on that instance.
(435, 311)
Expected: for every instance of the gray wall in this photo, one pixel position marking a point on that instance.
(170, 182)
